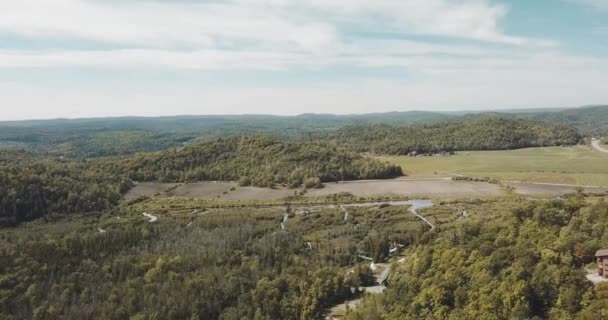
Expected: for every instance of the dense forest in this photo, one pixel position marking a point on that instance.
(526, 265)
(257, 161)
(33, 186)
(85, 138)
(478, 133)
(589, 120)
(97, 137)
(229, 264)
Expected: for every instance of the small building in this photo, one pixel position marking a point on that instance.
(601, 257)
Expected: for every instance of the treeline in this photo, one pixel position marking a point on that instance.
(525, 266)
(84, 142)
(257, 161)
(33, 186)
(98, 137)
(87, 138)
(486, 133)
(588, 120)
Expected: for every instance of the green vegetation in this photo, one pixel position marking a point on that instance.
(114, 143)
(569, 165)
(219, 264)
(72, 248)
(473, 134)
(34, 186)
(85, 142)
(258, 161)
(506, 259)
(589, 120)
(82, 138)
(525, 265)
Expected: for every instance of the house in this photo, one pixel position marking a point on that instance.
(601, 257)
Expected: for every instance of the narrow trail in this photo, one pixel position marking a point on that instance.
(421, 204)
(345, 212)
(151, 217)
(595, 143)
(285, 218)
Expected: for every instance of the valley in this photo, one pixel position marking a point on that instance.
(382, 224)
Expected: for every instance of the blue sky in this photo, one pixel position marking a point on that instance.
(84, 58)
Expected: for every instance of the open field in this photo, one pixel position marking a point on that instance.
(579, 165)
(230, 193)
(396, 187)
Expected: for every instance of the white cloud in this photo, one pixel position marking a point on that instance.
(158, 24)
(209, 59)
(304, 25)
(496, 69)
(253, 34)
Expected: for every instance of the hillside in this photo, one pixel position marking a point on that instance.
(588, 120)
(478, 133)
(524, 265)
(258, 161)
(34, 186)
(96, 137)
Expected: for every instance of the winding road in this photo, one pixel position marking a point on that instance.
(596, 144)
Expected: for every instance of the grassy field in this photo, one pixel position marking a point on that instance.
(569, 165)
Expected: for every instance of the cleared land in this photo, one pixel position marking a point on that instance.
(148, 190)
(580, 165)
(408, 188)
(549, 189)
(398, 187)
(445, 187)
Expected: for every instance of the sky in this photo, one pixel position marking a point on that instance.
(90, 58)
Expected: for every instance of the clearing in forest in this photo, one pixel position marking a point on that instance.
(566, 165)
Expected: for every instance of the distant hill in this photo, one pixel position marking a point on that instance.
(589, 120)
(592, 120)
(85, 138)
(95, 137)
(481, 132)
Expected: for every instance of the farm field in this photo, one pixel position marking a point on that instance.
(396, 187)
(579, 165)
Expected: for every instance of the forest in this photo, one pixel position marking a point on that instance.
(71, 247)
(258, 161)
(99, 137)
(229, 264)
(526, 265)
(486, 133)
(524, 260)
(34, 186)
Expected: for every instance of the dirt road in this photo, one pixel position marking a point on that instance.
(596, 144)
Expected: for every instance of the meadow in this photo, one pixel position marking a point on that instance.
(579, 165)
